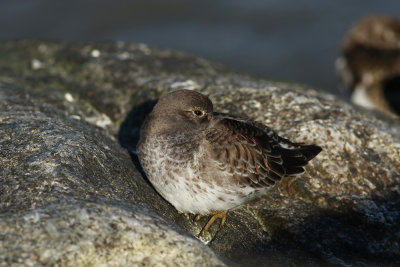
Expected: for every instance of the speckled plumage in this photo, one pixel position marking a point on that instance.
(203, 162)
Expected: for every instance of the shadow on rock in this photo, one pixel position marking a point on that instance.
(290, 232)
(129, 132)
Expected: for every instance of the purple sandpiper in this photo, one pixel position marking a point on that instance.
(369, 65)
(206, 163)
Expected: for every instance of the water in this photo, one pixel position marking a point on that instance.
(285, 40)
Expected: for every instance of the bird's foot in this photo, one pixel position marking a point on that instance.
(215, 215)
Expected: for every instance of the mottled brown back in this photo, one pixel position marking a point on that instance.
(254, 153)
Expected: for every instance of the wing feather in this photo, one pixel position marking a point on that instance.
(254, 154)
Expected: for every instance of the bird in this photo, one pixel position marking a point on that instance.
(207, 163)
(369, 64)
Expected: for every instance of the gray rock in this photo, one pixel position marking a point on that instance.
(70, 196)
(84, 233)
(343, 210)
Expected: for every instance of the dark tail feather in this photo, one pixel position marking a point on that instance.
(295, 159)
(310, 151)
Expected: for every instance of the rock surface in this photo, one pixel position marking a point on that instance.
(70, 196)
(84, 233)
(60, 161)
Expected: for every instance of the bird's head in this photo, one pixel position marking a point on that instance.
(182, 110)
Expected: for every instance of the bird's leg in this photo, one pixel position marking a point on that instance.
(215, 215)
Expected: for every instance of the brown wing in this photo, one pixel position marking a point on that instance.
(254, 153)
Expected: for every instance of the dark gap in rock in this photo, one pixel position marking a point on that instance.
(391, 92)
(129, 132)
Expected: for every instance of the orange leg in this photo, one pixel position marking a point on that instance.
(215, 215)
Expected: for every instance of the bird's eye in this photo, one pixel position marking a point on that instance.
(198, 113)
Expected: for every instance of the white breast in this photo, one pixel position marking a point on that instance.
(177, 180)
